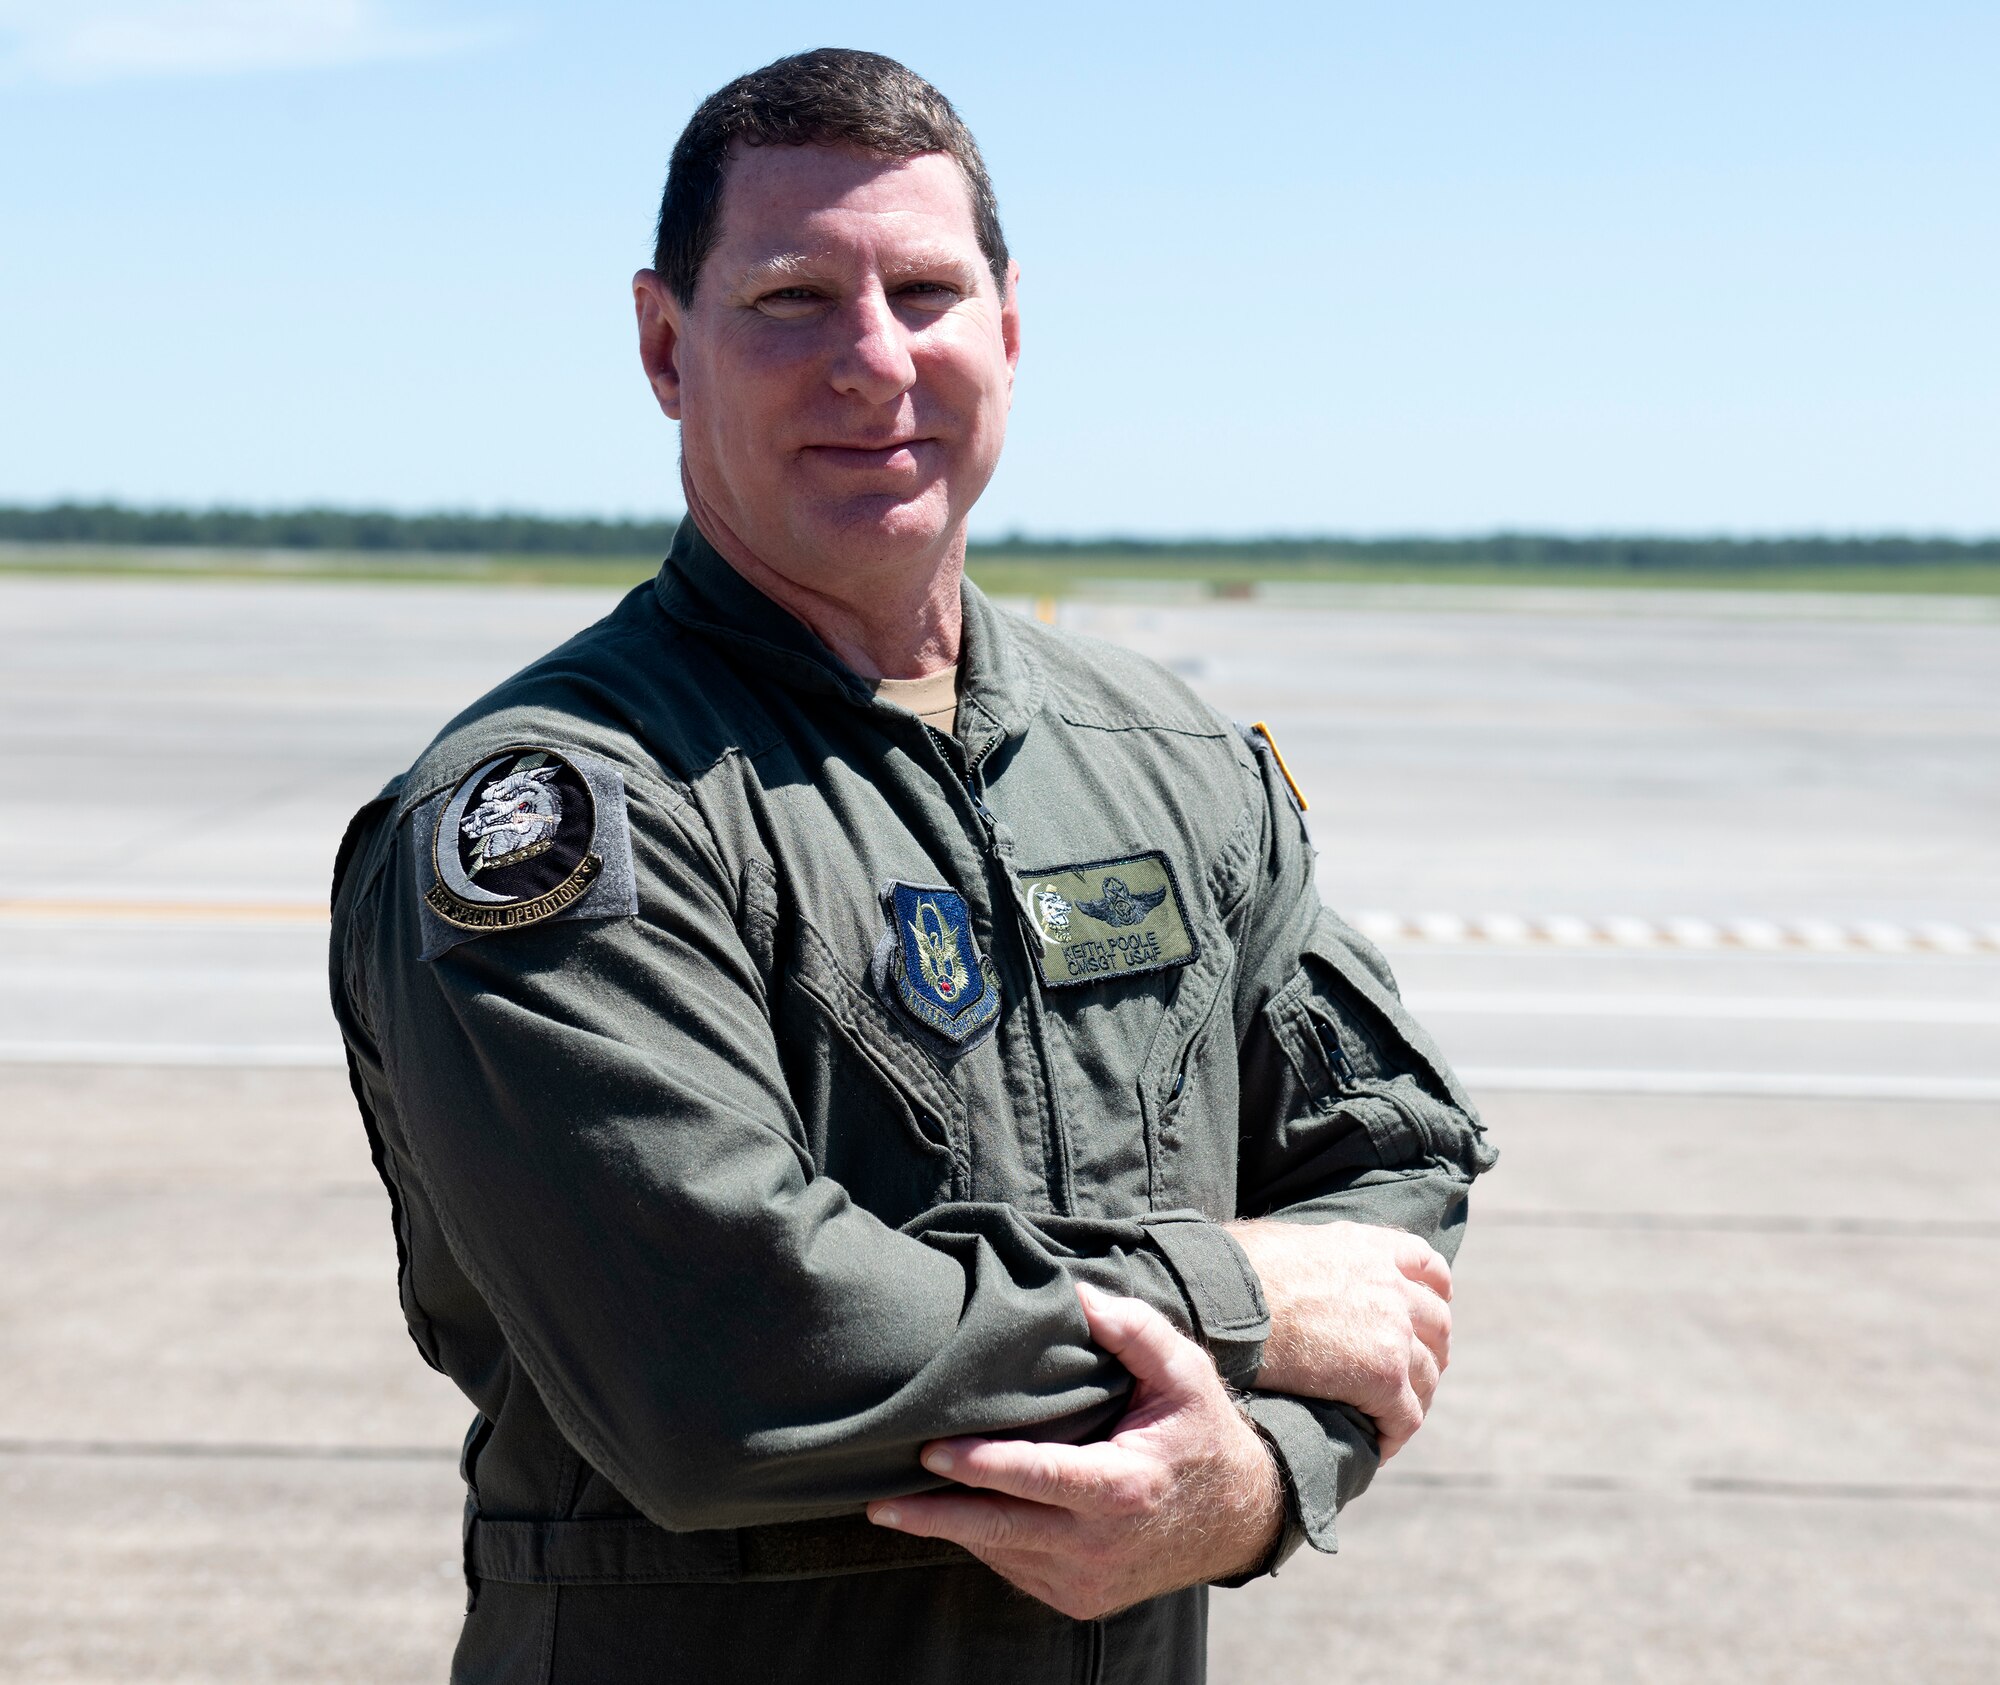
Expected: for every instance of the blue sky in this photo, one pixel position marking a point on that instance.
(1341, 268)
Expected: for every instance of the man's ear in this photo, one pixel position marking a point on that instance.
(660, 320)
(1010, 323)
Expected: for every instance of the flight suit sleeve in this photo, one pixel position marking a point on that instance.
(1349, 1112)
(597, 1113)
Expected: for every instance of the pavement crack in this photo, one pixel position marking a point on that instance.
(1704, 1485)
(1673, 1222)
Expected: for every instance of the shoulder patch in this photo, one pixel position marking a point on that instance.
(1105, 919)
(929, 968)
(529, 835)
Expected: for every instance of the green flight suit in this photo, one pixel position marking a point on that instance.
(724, 1175)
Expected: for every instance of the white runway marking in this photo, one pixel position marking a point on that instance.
(1562, 930)
(161, 979)
(1736, 1008)
(1809, 1085)
(1750, 935)
(1495, 1078)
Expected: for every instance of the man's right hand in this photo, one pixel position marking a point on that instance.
(1359, 1315)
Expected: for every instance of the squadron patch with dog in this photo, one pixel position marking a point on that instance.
(529, 835)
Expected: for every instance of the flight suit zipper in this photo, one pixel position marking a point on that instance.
(1057, 1157)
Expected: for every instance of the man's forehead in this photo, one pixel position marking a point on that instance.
(782, 202)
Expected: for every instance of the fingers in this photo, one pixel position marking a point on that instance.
(981, 1522)
(1152, 1348)
(1423, 1377)
(1073, 1477)
(1430, 1321)
(1397, 1425)
(1022, 1549)
(1421, 1261)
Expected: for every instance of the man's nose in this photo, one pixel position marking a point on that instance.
(873, 362)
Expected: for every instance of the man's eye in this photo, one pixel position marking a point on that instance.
(787, 301)
(930, 292)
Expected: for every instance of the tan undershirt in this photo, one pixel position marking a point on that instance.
(934, 700)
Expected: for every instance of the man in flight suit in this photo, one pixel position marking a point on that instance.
(875, 1116)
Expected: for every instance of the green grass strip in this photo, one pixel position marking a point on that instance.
(1011, 572)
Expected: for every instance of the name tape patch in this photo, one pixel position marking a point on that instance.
(1106, 919)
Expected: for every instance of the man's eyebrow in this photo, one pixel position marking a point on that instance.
(939, 259)
(781, 268)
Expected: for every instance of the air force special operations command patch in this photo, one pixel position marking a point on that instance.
(528, 835)
(1107, 919)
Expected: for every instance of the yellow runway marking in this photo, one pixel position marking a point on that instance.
(70, 910)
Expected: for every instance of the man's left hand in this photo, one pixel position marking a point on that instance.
(1183, 1492)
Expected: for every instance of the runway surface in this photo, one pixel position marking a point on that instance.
(1722, 1402)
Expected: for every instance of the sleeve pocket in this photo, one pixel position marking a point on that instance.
(1352, 1047)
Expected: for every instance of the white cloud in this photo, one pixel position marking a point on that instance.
(107, 40)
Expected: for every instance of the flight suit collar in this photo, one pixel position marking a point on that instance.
(1000, 682)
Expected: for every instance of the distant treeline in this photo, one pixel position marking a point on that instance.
(1531, 551)
(333, 529)
(541, 535)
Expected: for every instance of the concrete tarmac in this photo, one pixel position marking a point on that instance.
(1721, 1402)
(1721, 1408)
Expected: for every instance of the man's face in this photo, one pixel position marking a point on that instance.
(843, 375)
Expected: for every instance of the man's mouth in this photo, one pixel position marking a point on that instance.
(894, 454)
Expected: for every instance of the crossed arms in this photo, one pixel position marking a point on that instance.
(1185, 1490)
(731, 1341)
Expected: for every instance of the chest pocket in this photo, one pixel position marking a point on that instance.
(1151, 1095)
(878, 1116)
(1187, 1088)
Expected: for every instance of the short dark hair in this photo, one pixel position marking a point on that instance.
(832, 96)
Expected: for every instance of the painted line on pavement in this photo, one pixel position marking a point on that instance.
(1811, 1085)
(282, 1055)
(1805, 1009)
(1747, 935)
(60, 910)
(108, 976)
(1561, 930)
(1496, 1078)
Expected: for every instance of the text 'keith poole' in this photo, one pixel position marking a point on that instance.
(1114, 953)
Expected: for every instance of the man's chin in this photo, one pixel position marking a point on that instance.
(878, 529)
